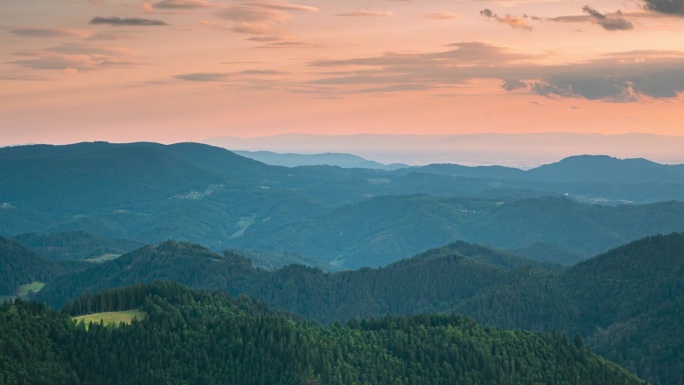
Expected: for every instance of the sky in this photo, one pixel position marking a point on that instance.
(187, 70)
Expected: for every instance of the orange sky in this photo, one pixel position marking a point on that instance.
(179, 70)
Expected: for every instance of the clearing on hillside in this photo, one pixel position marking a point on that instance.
(103, 258)
(22, 291)
(113, 318)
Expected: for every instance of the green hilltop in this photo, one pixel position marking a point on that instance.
(207, 338)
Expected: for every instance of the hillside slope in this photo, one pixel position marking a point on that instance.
(19, 266)
(627, 303)
(200, 337)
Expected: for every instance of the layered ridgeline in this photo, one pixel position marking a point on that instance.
(149, 192)
(384, 229)
(626, 303)
(75, 245)
(437, 280)
(20, 266)
(204, 338)
(324, 159)
(188, 264)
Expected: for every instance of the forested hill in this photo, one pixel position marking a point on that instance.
(75, 245)
(436, 280)
(628, 303)
(19, 266)
(381, 230)
(189, 264)
(207, 338)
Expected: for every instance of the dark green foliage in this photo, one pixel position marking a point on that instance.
(542, 251)
(189, 264)
(437, 280)
(627, 303)
(192, 337)
(273, 260)
(75, 245)
(19, 266)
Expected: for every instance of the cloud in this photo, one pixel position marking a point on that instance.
(247, 13)
(512, 85)
(74, 58)
(226, 76)
(286, 7)
(256, 28)
(112, 35)
(183, 4)
(264, 18)
(510, 20)
(265, 39)
(618, 77)
(284, 44)
(396, 88)
(49, 32)
(134, 21)
(462, 54)
(444, 16)
(263, 72)
(204, 77)
(614, 22)
(365, 13)
(622, 77)
(668, 7)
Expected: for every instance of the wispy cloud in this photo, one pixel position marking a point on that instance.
(615, 22)
(74, 58)
(112, 35)
(366, 13)
(120, 21)
(265, 19)
(266, 39)
(229, 76)
(49, 32)
(444, 16)
(285, 44)
(183, 4)
(622, 77)
(286, 7)
(204, 77)
(510, 20)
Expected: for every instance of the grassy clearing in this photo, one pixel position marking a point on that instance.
(113, 318)
(103, 258)
(23, 290)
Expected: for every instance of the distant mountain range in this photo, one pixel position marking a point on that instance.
(327, 159)
(351, 217)
(515, 150)
(86, 200)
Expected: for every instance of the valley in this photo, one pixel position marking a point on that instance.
(340, 251)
